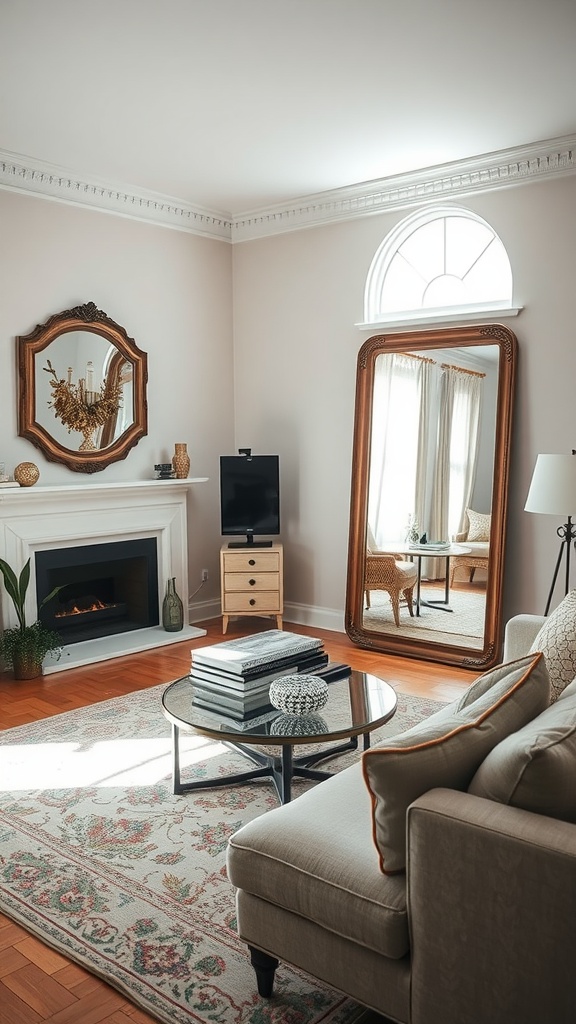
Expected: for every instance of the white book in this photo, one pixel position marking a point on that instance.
(249, 652)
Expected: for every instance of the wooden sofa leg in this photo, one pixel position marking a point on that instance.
(265, 968)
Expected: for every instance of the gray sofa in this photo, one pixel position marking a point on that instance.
(481, 928)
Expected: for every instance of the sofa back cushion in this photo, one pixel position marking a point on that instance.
(557, 641)
(447, 748)
(535, 768)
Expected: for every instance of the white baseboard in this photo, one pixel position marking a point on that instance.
(305, 614)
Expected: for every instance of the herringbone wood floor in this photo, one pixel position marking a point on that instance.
(36, 983)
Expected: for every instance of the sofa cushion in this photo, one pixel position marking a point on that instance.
(313, 856)
(557, 641)
(447, 748)
(479, 525)
(535, 768)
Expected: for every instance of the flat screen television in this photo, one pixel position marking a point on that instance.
(250, 498)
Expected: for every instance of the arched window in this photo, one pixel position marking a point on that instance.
(442, 263)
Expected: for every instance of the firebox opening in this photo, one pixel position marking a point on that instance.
(106, 589)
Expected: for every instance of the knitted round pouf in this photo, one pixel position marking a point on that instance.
(298, 725)
(298, 694)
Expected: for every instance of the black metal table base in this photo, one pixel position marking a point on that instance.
(441, 606)
(280, 768)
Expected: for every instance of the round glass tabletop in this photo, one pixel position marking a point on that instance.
(356, 705)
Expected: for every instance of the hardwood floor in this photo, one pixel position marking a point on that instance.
(36, 983)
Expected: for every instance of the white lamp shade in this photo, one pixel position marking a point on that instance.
(553, 487)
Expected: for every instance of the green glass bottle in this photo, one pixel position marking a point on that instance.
(172, 609)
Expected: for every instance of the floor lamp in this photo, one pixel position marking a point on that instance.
(553, 493)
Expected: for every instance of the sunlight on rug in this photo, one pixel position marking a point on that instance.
(100, 860)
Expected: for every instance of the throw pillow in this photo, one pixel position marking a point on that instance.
(479, 525)
(448, 748)
(535, 767)
(557, 641)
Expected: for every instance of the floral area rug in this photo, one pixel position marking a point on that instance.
(101, 861)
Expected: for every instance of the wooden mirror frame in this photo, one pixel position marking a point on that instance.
(425, 341)
(90, 319)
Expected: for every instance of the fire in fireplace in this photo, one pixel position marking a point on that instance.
(106, 588)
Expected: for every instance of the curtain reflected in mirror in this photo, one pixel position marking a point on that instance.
(429, 492)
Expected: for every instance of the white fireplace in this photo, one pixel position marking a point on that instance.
(43, 518)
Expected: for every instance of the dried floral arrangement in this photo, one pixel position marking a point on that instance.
(79, 408)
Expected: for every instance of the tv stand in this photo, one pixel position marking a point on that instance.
(251, 581)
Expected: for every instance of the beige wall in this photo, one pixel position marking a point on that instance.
(283, 380)
(296, 298)
(172, 292)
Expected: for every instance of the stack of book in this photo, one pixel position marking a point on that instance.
(231, 680)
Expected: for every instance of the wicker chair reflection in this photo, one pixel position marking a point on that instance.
(384, 572)
(478, 540)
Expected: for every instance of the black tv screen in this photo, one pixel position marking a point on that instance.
(250, 496)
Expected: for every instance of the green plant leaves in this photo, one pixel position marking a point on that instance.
(16, 588)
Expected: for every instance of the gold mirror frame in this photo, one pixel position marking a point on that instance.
(91, 320)
(425, 342)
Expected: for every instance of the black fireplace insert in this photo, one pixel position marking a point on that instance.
(106, 588)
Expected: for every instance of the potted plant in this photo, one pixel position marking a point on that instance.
(24, 647)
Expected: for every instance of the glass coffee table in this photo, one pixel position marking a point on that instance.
(356, 706)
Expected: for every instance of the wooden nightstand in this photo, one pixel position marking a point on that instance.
(252, 582)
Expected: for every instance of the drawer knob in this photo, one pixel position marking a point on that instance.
(251, 582)
(252, 600)
(251, 561)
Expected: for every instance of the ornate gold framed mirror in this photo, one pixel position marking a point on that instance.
(82, 389)
(429, 493)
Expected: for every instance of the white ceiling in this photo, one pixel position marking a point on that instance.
(236, 105)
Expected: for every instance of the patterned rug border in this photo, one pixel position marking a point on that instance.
(62, 866)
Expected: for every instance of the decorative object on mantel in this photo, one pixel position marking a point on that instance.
(181, 461)
(79, 407)
(298, 694)
(24, 647)
(108, 403)
(164, 471)
(172, 609)
(26, 474)
(3, 474)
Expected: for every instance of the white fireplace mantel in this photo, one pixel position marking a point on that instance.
(65, 515)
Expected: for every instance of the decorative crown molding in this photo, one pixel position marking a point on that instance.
(504, 169)
(23, 174)
(492, 171)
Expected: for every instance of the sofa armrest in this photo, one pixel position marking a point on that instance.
(519, 635)
(492, 912)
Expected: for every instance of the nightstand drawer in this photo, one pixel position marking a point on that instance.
(250, 581)
(267, 601)
(253, 561)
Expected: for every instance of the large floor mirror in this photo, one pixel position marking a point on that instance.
(429, 493)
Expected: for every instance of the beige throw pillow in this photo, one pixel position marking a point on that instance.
(557, 641)
(479, 525)
(447, 748)
(535, 768)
